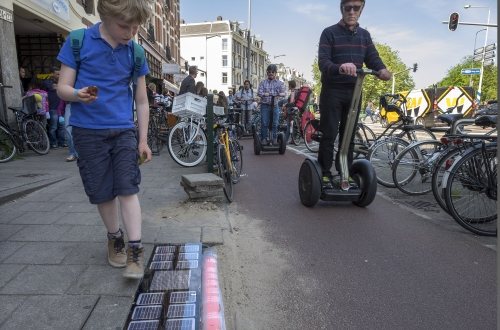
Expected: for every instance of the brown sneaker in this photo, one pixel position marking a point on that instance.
(135, 263)
(117, 257)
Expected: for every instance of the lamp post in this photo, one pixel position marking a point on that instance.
(249, 42)
(472, 59)
(276, 56)
(478, 94)
(206, 58)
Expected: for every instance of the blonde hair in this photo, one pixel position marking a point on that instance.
(152, 86)
(131, 11)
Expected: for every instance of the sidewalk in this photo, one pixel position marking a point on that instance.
(53, 265)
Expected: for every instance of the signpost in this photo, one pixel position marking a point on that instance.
(471, 71)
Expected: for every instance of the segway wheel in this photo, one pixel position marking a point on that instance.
(363, 173)
(309, 184)
(256, 144)
(282, 143)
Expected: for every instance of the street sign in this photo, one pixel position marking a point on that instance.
(478, 51)
(471, 71)
(492, 46)
(170, 68)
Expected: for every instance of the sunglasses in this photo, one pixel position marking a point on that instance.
(349, 8)
(268, 72)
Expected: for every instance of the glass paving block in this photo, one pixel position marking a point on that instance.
(188, 256)
(181, 311)
(147, 312)
(144, 325)
(170, 280)
(166, 249)
(161, 265)
(182, 297)
(163, 257)
(187, 264)
(180, 324)
(150, 299)
(189, 248)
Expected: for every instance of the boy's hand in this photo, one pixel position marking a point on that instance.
(87, 94)
(145, 154)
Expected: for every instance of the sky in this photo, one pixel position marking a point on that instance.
(412, 28)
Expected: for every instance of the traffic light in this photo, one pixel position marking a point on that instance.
(415, 67)
(453, 23)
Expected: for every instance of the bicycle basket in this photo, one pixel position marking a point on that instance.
(29, 105)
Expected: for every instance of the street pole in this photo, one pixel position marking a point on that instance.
(249, 41)
(478, 95)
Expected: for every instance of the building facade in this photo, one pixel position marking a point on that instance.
(219, 50)
(32, 32)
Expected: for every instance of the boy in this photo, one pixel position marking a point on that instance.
(103, 127)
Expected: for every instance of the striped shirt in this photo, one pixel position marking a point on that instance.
(339, 45)
(273, 87)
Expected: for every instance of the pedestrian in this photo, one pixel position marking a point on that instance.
(270, 90)
(102, 117)
(188, 85)
(199, 88)
(230, 99)
(56, 130)
(287, 104)
(246, 99)
(72, 154)
(369, 110)
(222, 101)
(22, 77)
(343, 48)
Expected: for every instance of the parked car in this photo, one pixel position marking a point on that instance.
(489, 109)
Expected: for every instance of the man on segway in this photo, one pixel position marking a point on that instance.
(343, 48)
(270, 91)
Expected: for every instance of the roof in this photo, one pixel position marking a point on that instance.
(205, 28)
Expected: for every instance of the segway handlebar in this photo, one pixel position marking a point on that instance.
(367, 71)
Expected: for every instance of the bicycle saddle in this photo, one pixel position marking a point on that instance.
(450, 118)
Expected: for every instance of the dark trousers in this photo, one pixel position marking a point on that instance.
(334, 108)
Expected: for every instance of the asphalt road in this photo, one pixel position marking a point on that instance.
(399, 263)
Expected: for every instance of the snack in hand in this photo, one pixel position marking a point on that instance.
(92, 90)
(142, 158)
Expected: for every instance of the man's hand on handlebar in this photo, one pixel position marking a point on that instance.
(348, 69)
(384, 74)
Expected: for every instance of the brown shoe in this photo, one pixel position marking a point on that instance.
(135, 263)
(117, 257)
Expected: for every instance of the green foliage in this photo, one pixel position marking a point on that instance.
(372, 86)
(454, 77)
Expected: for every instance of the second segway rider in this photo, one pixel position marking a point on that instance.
(270, 91)
(343, 48)
(246, 100)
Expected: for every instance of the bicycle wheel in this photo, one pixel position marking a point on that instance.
(296, 134)
(311, 138)
(412, 168)
(154, 141)
(187, 144)
(414, 134)
(236, 152)
(224, 172)
(471, 191)
(382, 155)
(443, 164)
(7, 146)
(36, 136)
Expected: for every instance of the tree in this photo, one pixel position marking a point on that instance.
(373, 87)
(454, 77)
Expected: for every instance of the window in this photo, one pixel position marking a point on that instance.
(224, 77)
(224, 60)
(224, 44)
(202, 58)
(193, 59)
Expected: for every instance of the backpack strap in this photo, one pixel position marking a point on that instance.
(76, 38)
(139, 57)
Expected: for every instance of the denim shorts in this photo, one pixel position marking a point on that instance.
(107, 160)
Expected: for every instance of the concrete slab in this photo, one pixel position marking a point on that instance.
(212, 236)
(202, 179)
(41, 253)
(40, 233)
(7, 272)
(8, 248)
(7, 231)
(80, 219)
(26, 205)
(35, 217)
(104, 280)
(43, 279)
(59, 312)
(8, 304)
(174, 235)
(76, 207)
(86, 234)
(110, 313)
(9, 213)
(87, 254)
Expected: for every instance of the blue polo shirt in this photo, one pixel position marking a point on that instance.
(110, 69)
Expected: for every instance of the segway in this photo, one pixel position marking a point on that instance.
(258, 146)
(363, 191)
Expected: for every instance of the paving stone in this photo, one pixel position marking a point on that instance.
(110, 313)
(72, 197)
(9, 213)
(80, 219)
(59, 312)
(35, 217)
(76, 207)
(38, 206)
(211, 236)
(87, 254)
(8, 248)
(41, 233)
(173, 235)
(8, 304)
(43, 279)
(202, 179)
(40, 253)
(86, 234)
(7, 272)
(103, 280)
(7, 231)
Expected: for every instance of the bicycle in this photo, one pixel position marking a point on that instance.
(187, 141)
(28, 131)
